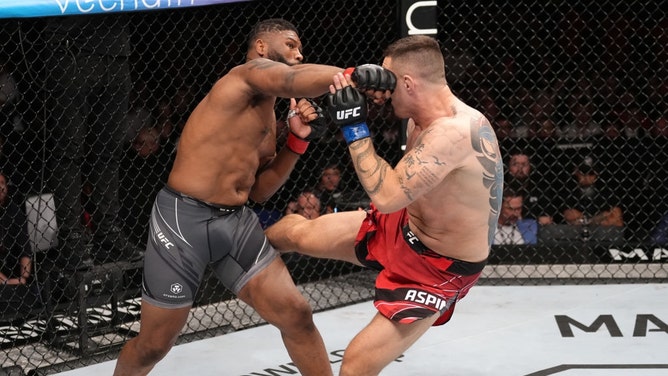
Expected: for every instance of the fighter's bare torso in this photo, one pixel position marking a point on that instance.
(450, 218)
(227, 138)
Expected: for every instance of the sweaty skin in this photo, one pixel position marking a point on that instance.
(452, 160)
(230, 138)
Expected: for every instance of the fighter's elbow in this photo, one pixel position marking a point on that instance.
(386, 205)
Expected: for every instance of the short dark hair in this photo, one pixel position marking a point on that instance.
(270, 25)
(421, 50)
(331, 166)
(513, 189)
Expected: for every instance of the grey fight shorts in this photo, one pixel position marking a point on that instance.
(186, 234)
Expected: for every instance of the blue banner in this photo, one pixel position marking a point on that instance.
(43, 8)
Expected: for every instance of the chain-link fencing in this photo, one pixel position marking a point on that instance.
(91, 109)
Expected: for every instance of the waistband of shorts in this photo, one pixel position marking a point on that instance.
(221, 208)
(457, 267)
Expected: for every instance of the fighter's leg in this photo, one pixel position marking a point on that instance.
(328, 236)
(273, 294)
(160, 328)
(379, 343)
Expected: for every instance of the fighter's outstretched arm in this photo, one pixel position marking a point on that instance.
(420, 170)
(269, 77)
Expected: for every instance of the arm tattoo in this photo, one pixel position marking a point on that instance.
(418, 165)
(263, 64)
(372, 178)
(404, 188)
(410, 163)
(428, 176)
(437, 161)
(260, 64)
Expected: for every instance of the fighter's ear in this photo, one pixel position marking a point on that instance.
(260, 47)
(408, 82)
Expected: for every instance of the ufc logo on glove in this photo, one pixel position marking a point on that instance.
(345, 114)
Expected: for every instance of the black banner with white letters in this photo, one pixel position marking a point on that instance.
(418, 17)
(582, 253)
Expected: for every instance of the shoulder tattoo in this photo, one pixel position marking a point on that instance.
(420, 168)
(486, 147)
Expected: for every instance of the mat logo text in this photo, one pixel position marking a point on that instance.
(640, 329)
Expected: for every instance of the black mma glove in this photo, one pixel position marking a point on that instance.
(347, 109)
(318, 129)
(372, 76)
(318, 125)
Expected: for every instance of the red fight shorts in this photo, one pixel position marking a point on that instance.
(414, 282)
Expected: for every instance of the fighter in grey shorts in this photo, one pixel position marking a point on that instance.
(180, 247)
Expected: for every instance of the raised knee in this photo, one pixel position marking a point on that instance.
(286, 234)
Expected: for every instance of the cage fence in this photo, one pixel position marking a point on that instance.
(91, 109)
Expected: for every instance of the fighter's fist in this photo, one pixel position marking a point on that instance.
(346, 106)
(306, 122)
(318, 125)
(372, 77)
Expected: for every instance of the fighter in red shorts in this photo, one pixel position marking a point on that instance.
(433, 216)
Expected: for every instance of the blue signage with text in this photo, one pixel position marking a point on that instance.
(43, 8)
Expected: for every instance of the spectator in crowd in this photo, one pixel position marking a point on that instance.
(512, 227)
(545, 129)
(589, 200)
(145, 170)
(165, 124)
(88, 207)
(9, 94)
(14, 158)
(487, 103)
(503, 129)
(659, 234)
(519, 176)
(139, 113)
(307, 205)
(335, 198)
(328, 190)
(536, 114)
(87, 82)
(660, 128)
(631, 121)
(17, 292)
(15, 252)
(582, 124)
